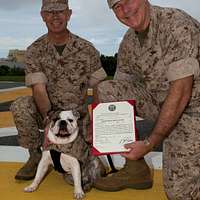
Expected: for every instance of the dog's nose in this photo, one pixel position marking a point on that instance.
(63, 124)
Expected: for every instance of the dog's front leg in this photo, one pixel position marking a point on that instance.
(72, 164)
(41, 171)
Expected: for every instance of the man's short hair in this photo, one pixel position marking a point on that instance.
(51, 5)
(111, 3)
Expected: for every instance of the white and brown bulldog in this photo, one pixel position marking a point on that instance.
(63, 130)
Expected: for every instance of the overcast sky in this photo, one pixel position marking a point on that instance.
(21, 23)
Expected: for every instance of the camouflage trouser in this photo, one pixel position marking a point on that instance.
(181, 153)
(28, 122)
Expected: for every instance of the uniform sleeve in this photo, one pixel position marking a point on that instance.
(183, 51)
(97, 72)
(33, 71)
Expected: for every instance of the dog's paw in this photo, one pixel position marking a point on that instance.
(87, 185)
(87, 181)
(30, 188)
(79, 195)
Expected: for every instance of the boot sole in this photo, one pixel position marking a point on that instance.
(23, 178)
(137, 186)
(141, 186)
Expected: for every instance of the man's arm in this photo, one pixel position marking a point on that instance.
(41, 98)
(178, 97)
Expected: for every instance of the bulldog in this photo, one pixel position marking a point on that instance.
(64, 130)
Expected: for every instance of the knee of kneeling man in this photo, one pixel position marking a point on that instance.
(105, 86)
(21, 103)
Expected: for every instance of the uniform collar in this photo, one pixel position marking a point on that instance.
(70, 48)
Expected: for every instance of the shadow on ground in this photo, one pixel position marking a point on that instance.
(5, 106)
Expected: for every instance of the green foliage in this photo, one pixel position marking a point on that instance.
(12, 78)
(8, 71)
(16, 71)
(109, 78)
(109, 64)
(4, 70)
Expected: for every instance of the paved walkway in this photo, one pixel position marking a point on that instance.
(10, 84)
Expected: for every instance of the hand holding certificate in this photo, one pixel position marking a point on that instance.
(113, 126)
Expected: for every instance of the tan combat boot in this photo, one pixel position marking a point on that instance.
(28, 171)
(135, 174)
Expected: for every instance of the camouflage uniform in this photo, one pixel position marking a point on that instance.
(169, 51)
(67, 79)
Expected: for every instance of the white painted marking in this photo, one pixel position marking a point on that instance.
(11, 89)
(8, 131)
(13, 154)
(153, 159)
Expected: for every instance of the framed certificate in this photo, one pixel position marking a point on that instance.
(113, 125)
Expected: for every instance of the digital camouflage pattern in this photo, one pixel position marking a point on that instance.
(116, 90)
(181, 164)
(51, 5)
(111, 3)
(170, 51)
(28, 122)
(67, 76)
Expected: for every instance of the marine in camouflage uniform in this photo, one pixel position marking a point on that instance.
(148, 63)
(66, 77)
(66, 72)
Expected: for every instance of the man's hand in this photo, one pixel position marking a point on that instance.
(137, 150)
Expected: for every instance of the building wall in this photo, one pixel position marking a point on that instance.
(17, 55)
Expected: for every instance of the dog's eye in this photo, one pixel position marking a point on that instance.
(70, 120)
(56, 119)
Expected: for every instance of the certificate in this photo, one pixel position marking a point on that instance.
(113, 125)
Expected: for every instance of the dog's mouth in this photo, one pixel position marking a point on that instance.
(63, 134)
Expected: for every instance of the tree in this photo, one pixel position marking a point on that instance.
(17, 71)
(109, 64)
(4, 70)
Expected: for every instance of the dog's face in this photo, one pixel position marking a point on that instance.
(63, 127)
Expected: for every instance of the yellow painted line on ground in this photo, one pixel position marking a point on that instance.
(6, 120)
(12, 95)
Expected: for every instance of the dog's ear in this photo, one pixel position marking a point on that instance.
(76, 113)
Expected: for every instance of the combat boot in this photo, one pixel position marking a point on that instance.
(135, 174)
(28, 171)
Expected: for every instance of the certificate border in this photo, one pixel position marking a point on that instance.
(94, 151)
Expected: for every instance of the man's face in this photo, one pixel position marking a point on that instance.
(133, 13)
(56, 21)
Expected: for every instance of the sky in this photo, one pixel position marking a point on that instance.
(21, 23)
